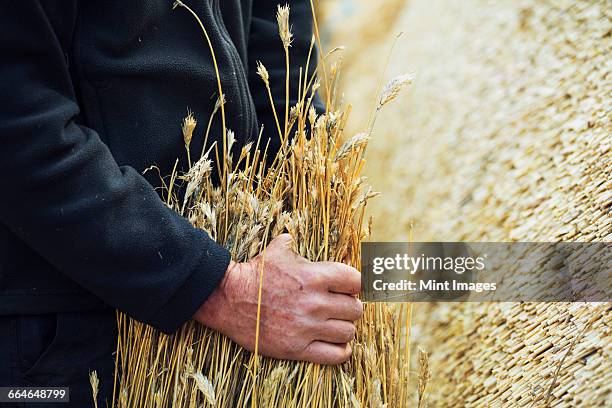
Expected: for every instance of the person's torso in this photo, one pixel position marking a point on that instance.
(137, 67)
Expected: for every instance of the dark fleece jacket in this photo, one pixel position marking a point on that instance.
(93, 93)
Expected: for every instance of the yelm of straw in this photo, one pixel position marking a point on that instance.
(314, 191)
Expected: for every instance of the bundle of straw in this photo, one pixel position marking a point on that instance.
(312, 190)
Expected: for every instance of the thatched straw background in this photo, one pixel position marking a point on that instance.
(506, 135)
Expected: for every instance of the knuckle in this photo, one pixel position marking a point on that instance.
(358, 282)
(314, 305)
(312, 275)
(350, 277)
(343, 355)
(293, 347)
(348, 352)
(347, 269)
(282, 242)
(358, 309)
(355, 279)
(344, 332)
(350, 332)
(282, 239)
(341, 268)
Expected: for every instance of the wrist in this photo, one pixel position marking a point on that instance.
(211, 313)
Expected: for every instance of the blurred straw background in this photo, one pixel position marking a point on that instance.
(505, 136)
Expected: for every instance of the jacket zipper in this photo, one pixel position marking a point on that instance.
(240, 74)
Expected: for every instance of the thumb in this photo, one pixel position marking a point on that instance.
(282, 241)
(283, 245)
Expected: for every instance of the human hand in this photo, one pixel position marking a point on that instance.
(307, 308)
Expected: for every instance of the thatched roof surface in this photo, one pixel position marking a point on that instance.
(506, 136)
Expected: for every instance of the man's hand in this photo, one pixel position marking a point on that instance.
(307, 308)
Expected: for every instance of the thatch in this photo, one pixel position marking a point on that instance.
(506, 136)
(312, 190)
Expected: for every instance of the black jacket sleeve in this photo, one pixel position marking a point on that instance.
(63, 193)
(265, 45)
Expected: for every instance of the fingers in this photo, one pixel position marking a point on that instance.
(341, 278)
(337, 331)
(320, 352)
(342, 307)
